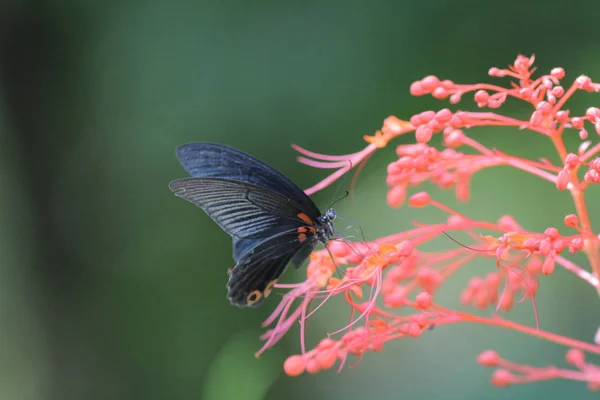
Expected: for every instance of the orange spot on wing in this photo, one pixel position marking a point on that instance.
(254, 296)
(307, 229)
(302, 237)
(305, 218)
(267, 291)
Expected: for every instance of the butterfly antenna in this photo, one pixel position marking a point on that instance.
(340, 199)
(337, 189)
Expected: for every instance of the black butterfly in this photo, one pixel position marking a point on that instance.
(272, 221)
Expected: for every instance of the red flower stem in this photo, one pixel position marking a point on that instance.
(453, 267)
(532, 170)
(591, 246)
(486, 86)
(323, 157)
(565, 97)
(541, 165)
(590, 152)
(354, 160)
(323, 164)
(528, 373)
(477, 146)
(551, 337)
(446, 209)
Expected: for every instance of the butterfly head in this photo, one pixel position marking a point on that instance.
(325, 228)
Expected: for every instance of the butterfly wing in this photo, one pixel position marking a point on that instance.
(210, 160)
(243, 246)
(242, 209)
(272, 220)
(257, 270)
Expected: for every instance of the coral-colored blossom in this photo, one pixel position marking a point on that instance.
(382, 276)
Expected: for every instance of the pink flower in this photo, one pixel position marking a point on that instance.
(394, 273)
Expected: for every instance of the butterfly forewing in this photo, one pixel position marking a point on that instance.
(242, 245)
(239, 208)
(210, 160)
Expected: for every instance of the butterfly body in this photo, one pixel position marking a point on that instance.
(271, 220)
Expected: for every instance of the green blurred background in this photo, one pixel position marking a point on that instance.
(113, 288)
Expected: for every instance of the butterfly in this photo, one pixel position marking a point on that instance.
(272, 221)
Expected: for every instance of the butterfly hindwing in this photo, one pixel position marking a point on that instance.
(302, 254)
(241, 209)
(241, 246)
(252, 279)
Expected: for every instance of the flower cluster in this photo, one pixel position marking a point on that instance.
(392, 273)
